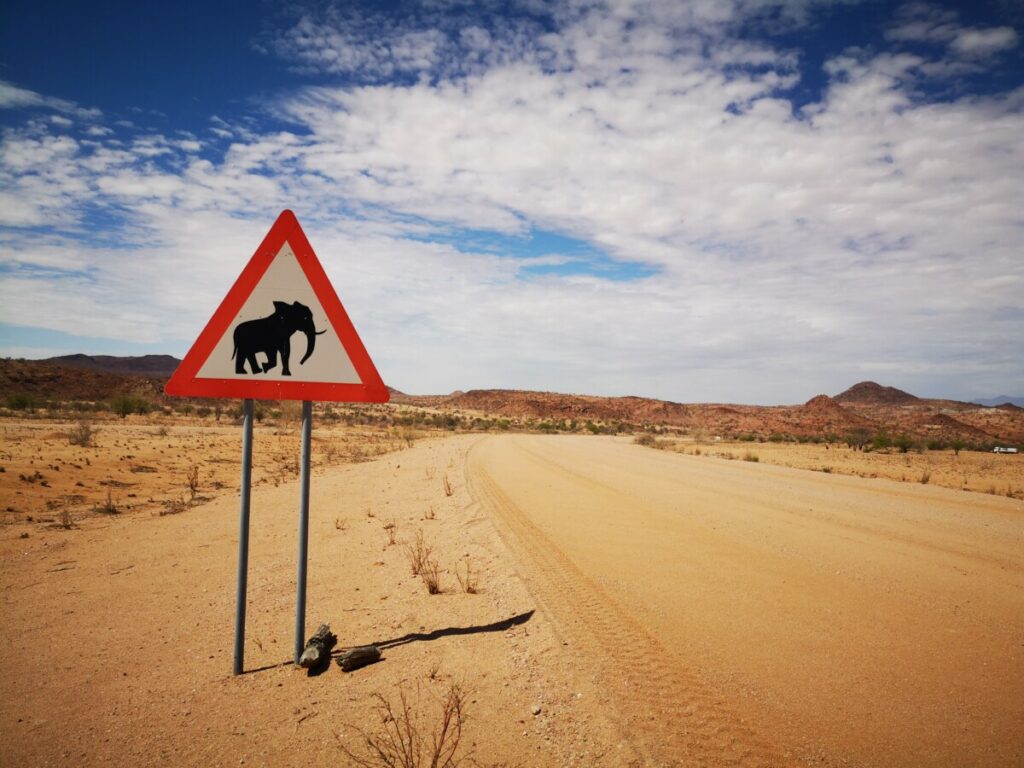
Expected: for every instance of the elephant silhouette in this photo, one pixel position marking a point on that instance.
(272, 336)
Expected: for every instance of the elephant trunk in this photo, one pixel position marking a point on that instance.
(311, 334)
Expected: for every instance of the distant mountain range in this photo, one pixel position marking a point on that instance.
(991, 402)
(156, 366)
(865, 407)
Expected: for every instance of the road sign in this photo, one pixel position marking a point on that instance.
(281, 305)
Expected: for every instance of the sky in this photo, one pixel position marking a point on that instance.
(750, 201)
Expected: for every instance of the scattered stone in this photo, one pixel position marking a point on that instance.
(535, 709)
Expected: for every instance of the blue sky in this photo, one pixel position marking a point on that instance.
(738, 200)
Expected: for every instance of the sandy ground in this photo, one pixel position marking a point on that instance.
(652, 608)
(754, 614)
(981, 472)
(118, 633)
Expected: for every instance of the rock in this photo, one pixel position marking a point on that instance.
(354, 658)
(535, 709)
(318, 648)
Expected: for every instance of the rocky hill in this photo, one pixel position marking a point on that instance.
(870, 393)
(42, 380)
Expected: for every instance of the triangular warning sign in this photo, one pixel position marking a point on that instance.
(281, 333)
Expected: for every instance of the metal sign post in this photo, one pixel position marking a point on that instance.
(237, 355)
(300, 597)
(243, 538)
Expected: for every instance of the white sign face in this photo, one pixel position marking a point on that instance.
(269, 338)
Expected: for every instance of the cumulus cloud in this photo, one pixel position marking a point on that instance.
(786, 251)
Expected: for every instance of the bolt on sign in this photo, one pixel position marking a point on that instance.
(281, 333)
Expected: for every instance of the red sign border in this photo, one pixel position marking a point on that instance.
(184, 381)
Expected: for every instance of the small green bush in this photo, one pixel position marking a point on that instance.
(125, 405)
(22, 401)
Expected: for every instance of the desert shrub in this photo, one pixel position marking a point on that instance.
(203, 411)
(645, 439)
(750, 456)
(391, 529)
(404, 740)
(857, 438)
(881, 440)
(925, 477)
(904, 442)
(125, 405)
(81, 434)
(22, 401)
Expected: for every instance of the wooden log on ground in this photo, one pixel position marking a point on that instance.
(354, 658)
(318, 648)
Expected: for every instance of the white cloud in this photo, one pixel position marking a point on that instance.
(984, 42)
(793, 254)
(922, 23)
(14, 97)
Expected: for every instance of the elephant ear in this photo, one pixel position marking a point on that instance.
(281, 307)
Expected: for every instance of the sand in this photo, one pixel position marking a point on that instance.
(651, 608)
(764, 614)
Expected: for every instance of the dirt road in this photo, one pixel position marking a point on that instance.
(758, 615)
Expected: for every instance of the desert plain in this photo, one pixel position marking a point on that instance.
(600, 602)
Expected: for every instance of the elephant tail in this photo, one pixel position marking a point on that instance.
(234, 352)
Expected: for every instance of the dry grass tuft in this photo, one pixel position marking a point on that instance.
(391, 528)
(174, 507)
(108, 507)
(192, 478)
(750, 456)
(418, 553)
(432, 576)
(447, 487)
(470, 583)
(925, 477)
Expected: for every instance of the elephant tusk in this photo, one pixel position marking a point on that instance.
(320, 333)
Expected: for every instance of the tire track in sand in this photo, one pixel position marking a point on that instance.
(671, 715)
